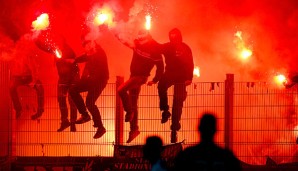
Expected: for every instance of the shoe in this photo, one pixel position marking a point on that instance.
(18, 114)
(173, 136)
(36, 116)
(99, 133)
(129, 116)
(132, 135)
(165, 116)
(63, 126)
(83, 119)
(73, 127)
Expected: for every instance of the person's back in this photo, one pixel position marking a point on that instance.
(207, 155)
(152, 152)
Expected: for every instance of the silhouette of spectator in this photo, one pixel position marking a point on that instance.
(152, 152)
(207, 155)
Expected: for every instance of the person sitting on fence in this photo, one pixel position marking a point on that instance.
(24, 71)
(68, 74)
(179, 74)
(94, 79)
(145, 57)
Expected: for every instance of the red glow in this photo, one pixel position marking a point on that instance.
(207, 27)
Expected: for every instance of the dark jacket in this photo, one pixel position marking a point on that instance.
(145, 56)
(96, 67)
(66, 69)
(178, 60)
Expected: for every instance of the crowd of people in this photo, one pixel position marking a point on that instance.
(174, 67)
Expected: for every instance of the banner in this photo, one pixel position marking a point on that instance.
(131, 157)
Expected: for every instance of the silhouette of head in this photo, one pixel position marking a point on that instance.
(153, 148)
(207, 126)
(175, 36)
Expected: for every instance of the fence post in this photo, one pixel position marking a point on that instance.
(6, 147)
(228, 120)
(119, 125)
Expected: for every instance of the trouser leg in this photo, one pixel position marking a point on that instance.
(91, 99)
(40, 96)
(134, 94)
(163, 86)
(62, 90)
(179, 98)
(77, 98)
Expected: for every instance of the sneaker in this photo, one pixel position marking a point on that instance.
(63, 126)
(132, 135)
(129, 116)
(73, 127)
(165, 116)
(173, 136)
(18, 114)
(36, 115)
(99, 133)
(83, 119)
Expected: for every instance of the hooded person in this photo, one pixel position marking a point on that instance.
(179, 68)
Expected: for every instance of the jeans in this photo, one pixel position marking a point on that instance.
(17, 81)
(94, 89)
(178, 99)
(129, 93)
(63, 87)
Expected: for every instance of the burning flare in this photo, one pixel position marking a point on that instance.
(58, 53)
(101, 18)
(148, 22)
(196, 71)
(104, 15)
(245, 52)
(41, 23)
(280, 79)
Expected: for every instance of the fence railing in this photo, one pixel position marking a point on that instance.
(255, 119)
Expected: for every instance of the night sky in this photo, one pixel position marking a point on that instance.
(269, 28)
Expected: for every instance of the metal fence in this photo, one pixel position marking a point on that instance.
(256, 120)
